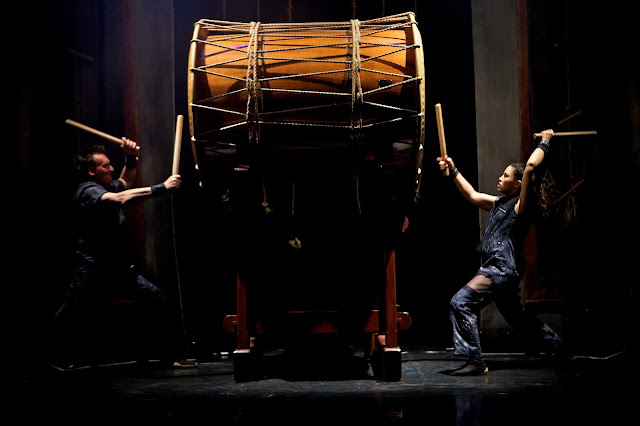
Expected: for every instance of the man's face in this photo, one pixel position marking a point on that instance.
(102, 172)
(507, 183)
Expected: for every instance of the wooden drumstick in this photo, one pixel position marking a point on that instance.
(97, 132)
(443, 144)
(581, 133)
(177, 145)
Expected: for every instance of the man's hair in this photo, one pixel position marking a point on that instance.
(85, 161)
(518, 170)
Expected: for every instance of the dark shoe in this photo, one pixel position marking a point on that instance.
(473, 367)
(184, 363)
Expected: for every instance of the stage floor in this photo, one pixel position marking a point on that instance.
(316, 388)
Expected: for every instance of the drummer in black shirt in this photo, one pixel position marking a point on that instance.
(102, 266)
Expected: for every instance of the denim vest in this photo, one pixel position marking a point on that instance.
(502, 248)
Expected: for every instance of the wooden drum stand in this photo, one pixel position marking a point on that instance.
(315, 104)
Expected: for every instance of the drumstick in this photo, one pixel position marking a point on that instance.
(97, 132)
(174, 171)
(582, 133)
(443, 144)
(177, 145)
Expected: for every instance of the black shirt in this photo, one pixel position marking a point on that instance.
(100, 228)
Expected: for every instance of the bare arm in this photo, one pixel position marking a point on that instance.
(128, 175)
(535, 159)
(478, 199)
(172, 183)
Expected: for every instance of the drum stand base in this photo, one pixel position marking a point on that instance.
(385, 354)
(247, 365)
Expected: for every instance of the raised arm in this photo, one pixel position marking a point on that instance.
(535, 159)
(478, 199)
(129, 171)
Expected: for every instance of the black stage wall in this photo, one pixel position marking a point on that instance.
(122, 67)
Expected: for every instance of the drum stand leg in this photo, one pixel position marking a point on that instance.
(386, 356)
(247, 362)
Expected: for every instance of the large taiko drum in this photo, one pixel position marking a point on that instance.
(331, 113)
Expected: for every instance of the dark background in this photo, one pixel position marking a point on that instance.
(436, 255)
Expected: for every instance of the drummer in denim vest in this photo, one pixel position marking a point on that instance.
(502, 262)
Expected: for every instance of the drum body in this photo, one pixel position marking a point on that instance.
(303, 101)
(317, 119)
(311, 135)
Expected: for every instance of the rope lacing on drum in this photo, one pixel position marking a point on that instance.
(356, 100)
(295, 241)
(233, 36)
(356, 83)
(359, 30)
(265, 202)
(252, 82)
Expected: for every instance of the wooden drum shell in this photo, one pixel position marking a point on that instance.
(282, 100)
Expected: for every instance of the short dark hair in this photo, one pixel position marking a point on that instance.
(85, 161)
